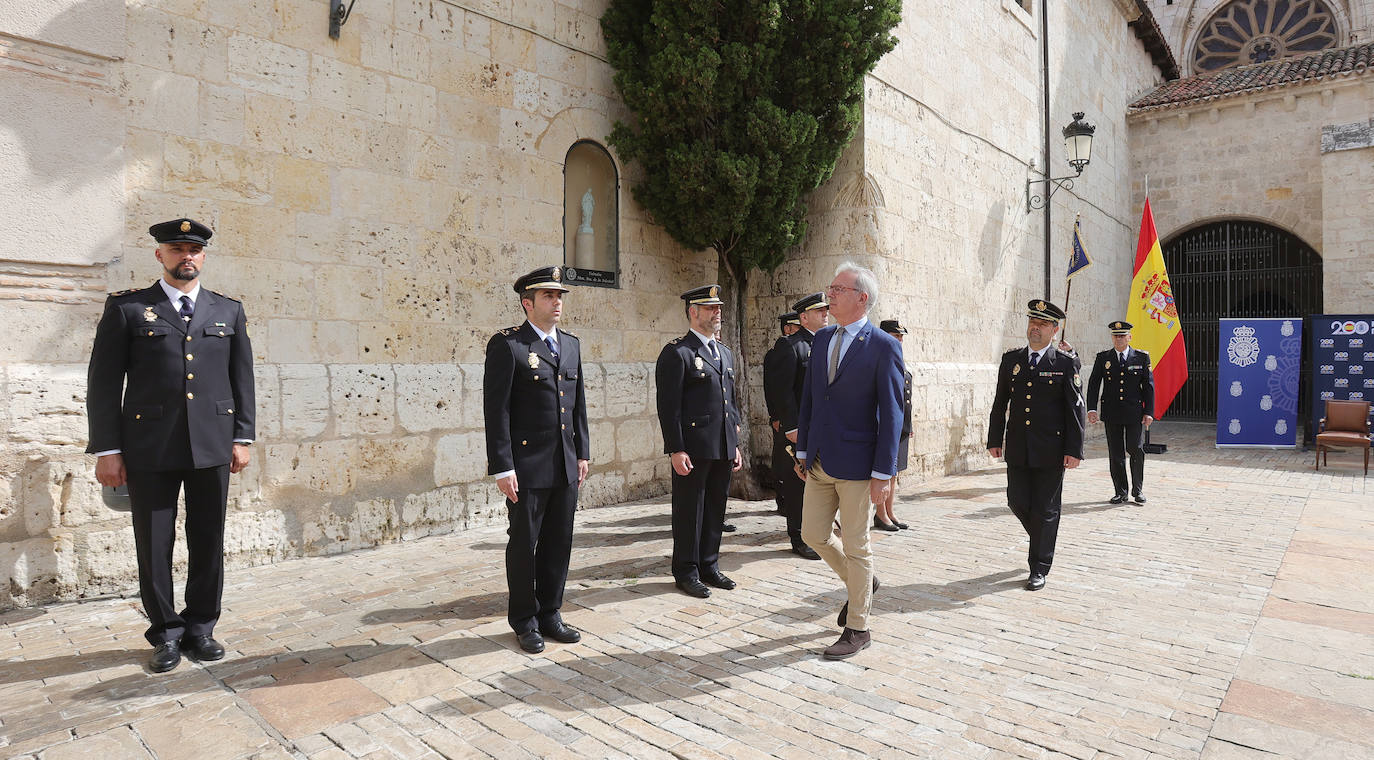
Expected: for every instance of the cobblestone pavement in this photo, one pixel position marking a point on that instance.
(1230, 617)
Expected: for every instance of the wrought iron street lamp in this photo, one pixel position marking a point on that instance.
(1078, 144)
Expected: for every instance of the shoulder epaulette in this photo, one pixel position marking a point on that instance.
(1009, 353)
(509, 330)
(221, 295)
(124, 292)
(561, 331)
(674, 341)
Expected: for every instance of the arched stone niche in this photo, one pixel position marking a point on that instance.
(591, 215)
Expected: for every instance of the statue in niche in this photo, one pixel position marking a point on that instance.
(585, 248)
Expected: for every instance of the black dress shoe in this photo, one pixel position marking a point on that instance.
(531, 642)
(719, 580)
(203, 648)
(804, 551)
(165, 657)
(901, 525)
(1139, 498)
(1035, 582)
(880, 525)
(844, 611)
(1117, 499)
(693, 587)
(728, 528)
(561, 632)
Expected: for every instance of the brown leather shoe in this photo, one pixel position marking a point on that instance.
(843, 618)
(851, 643)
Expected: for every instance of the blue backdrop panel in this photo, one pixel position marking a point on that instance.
(1342, 347)
(1257, 382)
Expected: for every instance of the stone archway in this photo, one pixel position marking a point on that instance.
(1236, 268)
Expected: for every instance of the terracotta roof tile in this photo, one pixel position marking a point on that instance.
(1215, 85)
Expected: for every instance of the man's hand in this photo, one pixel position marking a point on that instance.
(240, 458)
(1092, 417)
(775, 425)
(682, 464)
(582, 465)
(510, 487)
(109, 470)
(1146, 420)
(995, 452)
(797, 468)
(1065, 347)
(738, 463)
(792, 436)
(878, 490)
(1071, 462)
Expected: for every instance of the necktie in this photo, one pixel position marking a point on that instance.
(187, 308)
(1035, 359)
(835, 352)
(715, 355)
(553, 347)
(1122, 357)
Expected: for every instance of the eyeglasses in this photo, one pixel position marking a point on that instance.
(840, 288)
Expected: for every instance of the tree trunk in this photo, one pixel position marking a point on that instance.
(749, 482)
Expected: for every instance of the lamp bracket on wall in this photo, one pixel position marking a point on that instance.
(338, 16)
(1035, 201)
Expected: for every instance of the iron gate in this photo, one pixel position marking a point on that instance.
(1234, 270)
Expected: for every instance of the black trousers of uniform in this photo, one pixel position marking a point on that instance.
(153, 498)
(698, 514)
(1035, 495)
(537, 554)
(789, 488)
(1122, 440)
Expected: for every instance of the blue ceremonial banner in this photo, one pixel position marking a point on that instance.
(1078, 257)
(1342, 348)
(1257, 382)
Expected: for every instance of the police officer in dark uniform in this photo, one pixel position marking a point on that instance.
(1123, 376)
(1037, 425)
(788, 324)
(170, 405)
(784, 372)
(883, 517)
(538, 450)
(700, 424)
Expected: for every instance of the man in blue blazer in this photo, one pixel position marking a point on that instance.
(847, 436)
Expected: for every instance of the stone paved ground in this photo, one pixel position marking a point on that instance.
(1231, 617)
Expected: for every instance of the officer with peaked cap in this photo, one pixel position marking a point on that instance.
(784, 372)
(700, 424)
(170, 405)
(883, 517)
(1036, 425)
(1127, 386)
(538, 450)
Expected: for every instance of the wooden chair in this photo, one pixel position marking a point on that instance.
(1346, 424)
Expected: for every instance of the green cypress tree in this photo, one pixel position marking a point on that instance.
(740, 109)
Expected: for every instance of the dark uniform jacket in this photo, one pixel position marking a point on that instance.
(784, 375)
(1127, 392)
(904, 443)
(696, 399)
(536, 410)
(1037, 415)
(187, 389)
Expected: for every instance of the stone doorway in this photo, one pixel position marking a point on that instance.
(1232, 269)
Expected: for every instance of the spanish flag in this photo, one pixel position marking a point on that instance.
(1155, 315)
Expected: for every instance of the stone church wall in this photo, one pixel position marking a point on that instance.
(1260, 157)
(372, 198)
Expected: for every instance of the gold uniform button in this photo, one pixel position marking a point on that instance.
(561, 409)
(138, 416)
(1028, 397)
(563, 427)
(190, 395)
(221, 332)
(190, 376)
(1028, 384)
(150, 333)
(1027, 422)
(230, 411)
(189, 357)
(188, 339)
(694, 424)
(560, 393)
(1027, 409)
(524, 443)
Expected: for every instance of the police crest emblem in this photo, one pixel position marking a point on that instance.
(534, 360)
(1016, 370)
(1243, 349)
(699, 362)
